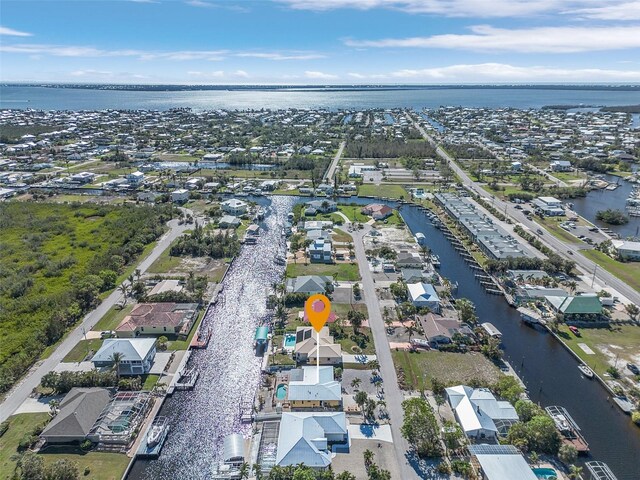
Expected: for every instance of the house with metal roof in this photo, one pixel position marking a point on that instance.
(233, 206)
(137, 354)
(313, 387)
(500, 462)
(579, 308)
(320, 251)
(424, 295)
(479, 413)
(307, 438)
(77, 414)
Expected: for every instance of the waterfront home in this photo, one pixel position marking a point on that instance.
(560, 166)
(317, 225)
(414, 275)
(138, 355)
(322, 206)
(438, 330)
(307, 437)
(479, 413)
(77, 413)
(501, 462)
(83, 177)
(320, 251)
(627, 250)
(311, 387)
(310, 284)
(423, 295)
(409, 260)
(229, 221)
(529, 293)
(579, 308)
(158, 319)
(180, 196)
(377, 211)
(549, 206)
(233, 206)
(306, 348)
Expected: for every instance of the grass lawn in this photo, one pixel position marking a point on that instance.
(184, 344)
(553, 226)
(341, 236)
(19, 426)
(281, 359)
(79, 352)
(165, 263)
(451, 368)
(627, 272)
(344, 271)
(112, 318)
(149, 381)
(384, 190)
(347, 342)
(342, 309)
(625, 337)
(394, 219)
(353, 213)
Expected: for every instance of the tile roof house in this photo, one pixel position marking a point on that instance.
(306, 348)
(311, 387)
(377, 211)
(77, 414)
(309, 284)
(424, 295)
(158, 319)
(137, 354)
(479, 413)
(306, 437)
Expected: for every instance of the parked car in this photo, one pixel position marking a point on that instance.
(634, 368)
(107, 334)
(574, 330)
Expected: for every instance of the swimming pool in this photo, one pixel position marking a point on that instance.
(289, 340)
(281, 391)
(545, 473)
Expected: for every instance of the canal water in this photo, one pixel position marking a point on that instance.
(229, 369)
(602, 199)
(547, 369)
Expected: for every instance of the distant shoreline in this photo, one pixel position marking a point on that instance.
(325, 88)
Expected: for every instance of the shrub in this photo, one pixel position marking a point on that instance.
(86, 445)
(4, 426)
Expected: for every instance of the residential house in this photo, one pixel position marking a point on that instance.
(138, 354)
(438, 330)
(135, 178)
(479, 413)
(535, 293)
(180, 196)
(306, 348)
(627, 250)
(500, 462)
(83, 177)
(233, 206)
(409, 260)
(549, 206)
(77, 413)
(423, 295)
(229, 221)
(310, 284)
(377, 211)
(320, 251)
(322, 206)
(579, 308)
(317, 225)
(158, 319)
(560, 166)
(307, 438)
(311, 388)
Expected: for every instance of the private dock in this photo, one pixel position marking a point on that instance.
(153, 438)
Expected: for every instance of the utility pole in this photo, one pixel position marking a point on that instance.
(593, 280)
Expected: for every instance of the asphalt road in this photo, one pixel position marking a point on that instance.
(393, 395)
(560, 247)
(331, 171)
(31, 380)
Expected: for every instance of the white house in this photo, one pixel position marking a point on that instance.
(137, 354)
(135, 178)
(306, 438)
(479, 413)
(233, 206)
(560, 166)
(627, 250)
(180, 196)
(424, 295)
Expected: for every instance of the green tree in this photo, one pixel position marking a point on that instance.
(420, 427)
(356, 319)
(526, 409)
(345, 476)
(632, 310)
(466, 311)
(62, 470)
(568, 454)
(244, 471)
(117, 358)
(355, 383)
(575, 472)
(361, 398)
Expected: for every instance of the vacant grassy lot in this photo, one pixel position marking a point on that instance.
(112, 318)
(383, 190)
(553, 225)
(344, 271)
(341, 236)
(57, 261)
(79, 352)
(165, 263)
(620, 340)
(627, 272)
(451, 368)
(349, 345)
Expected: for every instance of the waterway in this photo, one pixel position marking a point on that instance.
(229, 369)
(547, 369)
(602, 199)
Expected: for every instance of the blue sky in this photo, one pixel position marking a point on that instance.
(320, 41)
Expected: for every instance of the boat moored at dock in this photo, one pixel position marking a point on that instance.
(586, 371)
(569, 430)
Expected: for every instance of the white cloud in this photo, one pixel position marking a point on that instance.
(14, 33)
(280, 56)
(205, 75)
(357, 75)
(499, 72)
(319, 75)
(240, 74)
(450, 8)
(526, 40)
(92, 73)
(225, 6)
(618, 11)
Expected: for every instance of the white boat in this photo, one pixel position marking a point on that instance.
(586, 371)
(154, 435)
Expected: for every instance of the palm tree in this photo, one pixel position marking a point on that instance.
(361, 398)
(571, 286)
(373, 364)
(244, 471)
(575, 472)
(117, 358)
(377, 382)
(410, 329)
(355, 383)
(257, 470)
(368, 458)
(281, 315)
(124, 290)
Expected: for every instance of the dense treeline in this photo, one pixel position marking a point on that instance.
(554, 264)
(201, 243)
(468, 150)
(380, 148)
(55, 261)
